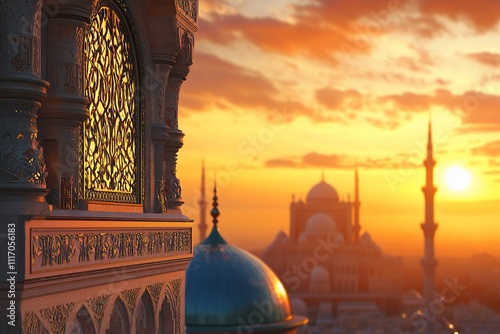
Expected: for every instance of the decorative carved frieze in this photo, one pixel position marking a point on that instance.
(154, 291)
(97, 307)
(130, 297)
(31, 323)
(190, 8)
(53, 249)
(56, 317)
(65, 250)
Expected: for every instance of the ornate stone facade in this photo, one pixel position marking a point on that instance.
(67, 317)
(89, 139)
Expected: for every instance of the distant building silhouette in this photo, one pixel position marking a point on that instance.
(325, 263)
(429, 227)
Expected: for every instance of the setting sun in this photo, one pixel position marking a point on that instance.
(457, 178)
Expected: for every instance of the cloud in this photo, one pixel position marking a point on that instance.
(272, 35)
(415, 102)
(421, 60)
(483, 15)
(281, 163)
(480, 111)
(424, 26)
(489, 149)
(323, 30)
(338, 161)
(217, 83)
(332, 31)
(486, 58)
(339, 100)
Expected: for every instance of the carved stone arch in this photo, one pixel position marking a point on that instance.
(170, 314)
(81, 323)
(144, 316)
(119, 320)
(157, 293)
(166, 316)
(109, 306)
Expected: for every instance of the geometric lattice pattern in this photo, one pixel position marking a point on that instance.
(110, 135)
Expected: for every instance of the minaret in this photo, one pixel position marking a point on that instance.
(357, 204)
(203, 206)
(429, 262)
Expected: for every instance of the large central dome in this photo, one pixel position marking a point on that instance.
(322, 192)
(320, 224)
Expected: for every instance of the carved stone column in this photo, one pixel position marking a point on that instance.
(22, 166)
(174, 142)
(162, 66)
(177, 76)
(66, 107)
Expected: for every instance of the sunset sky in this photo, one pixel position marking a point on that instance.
(283, 89)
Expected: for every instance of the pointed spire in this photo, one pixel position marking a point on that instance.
(429, 135)
(356, 177)
(203, 205)
(429, 227)
(215, 211)
(429, 138)
(214, 238)
(203, 178)
(357, 204)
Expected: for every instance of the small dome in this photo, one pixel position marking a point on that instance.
(302, 238)
(320, 280)
(366, 239)
(322, 192)
(281, 238)
(320, 224)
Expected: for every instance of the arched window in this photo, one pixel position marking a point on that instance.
(82, 324)
(167, 325)
(145, 316)
(111, 136)
(119, 322)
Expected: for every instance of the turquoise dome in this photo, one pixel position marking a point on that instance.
(231, 290)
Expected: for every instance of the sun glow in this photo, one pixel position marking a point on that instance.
(457, 178)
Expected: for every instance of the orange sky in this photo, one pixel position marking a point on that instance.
(282, 89)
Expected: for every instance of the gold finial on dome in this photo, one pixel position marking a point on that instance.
(215, 211)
